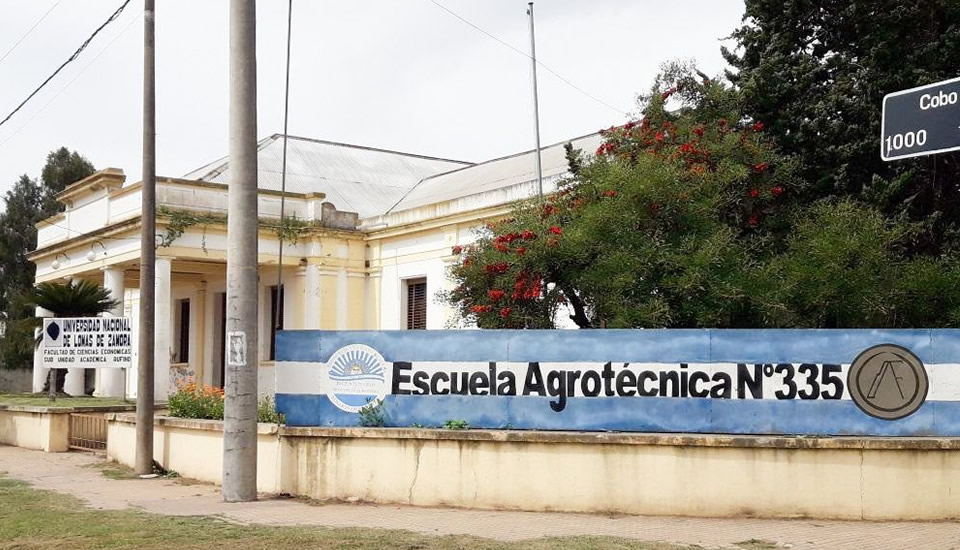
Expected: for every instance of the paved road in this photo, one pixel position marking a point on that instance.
(71, 473)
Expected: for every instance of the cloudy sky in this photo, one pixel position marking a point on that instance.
(397, 74)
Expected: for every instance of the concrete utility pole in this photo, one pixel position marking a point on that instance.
(536, 101)
(240, 407)
(148, 253)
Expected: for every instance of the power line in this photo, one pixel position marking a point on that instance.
(525, 54)
(68, 61)
(17, 43)
(74, 79)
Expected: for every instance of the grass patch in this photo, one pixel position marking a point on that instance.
(44, 520)
(38, 400)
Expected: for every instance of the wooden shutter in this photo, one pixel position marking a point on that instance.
(183, 353)
(417, 305)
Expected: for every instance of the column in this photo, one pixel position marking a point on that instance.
(110, 381)
(163, 328)
(40, 374)
(311, 290)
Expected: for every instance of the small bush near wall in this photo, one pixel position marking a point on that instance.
(196, 401)
(206, 402)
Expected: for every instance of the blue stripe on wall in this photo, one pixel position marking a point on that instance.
(660, 414)
(635, 346)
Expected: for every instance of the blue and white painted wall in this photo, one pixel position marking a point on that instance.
(805, 382)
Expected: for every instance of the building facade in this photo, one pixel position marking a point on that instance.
(366, 242)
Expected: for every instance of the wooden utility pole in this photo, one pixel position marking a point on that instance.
(148, 253)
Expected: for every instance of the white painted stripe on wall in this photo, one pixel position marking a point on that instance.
(309, 378)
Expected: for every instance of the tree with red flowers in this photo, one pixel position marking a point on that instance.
(652, 229)
(690, 217)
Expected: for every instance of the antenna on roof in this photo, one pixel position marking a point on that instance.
(536, 104)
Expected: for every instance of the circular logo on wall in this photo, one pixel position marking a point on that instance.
(356, 377)
(888, 382)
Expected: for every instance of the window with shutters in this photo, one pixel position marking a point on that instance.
(417, 304)
(276, 319)
(183, 331)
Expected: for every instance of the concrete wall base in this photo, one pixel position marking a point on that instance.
(651, 474)
(35, 428)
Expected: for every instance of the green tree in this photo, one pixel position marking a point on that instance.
(815, 72)
(27, 203)
(657, 229)
(63, 168)
(690, 218)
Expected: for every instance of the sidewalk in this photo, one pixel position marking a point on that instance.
(71, 473)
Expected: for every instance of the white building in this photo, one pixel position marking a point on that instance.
(371, 249)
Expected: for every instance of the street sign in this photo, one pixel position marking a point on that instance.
(921, 121)
(89, 342)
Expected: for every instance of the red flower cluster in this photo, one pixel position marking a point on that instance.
(527, 234)
(456, 250)
(500, 267)
(496, 294)
(754, 193)
(776, 190)
(556, 230)
(481, 309)
(526, 287)
(505, 312)
(757, 126)
(655, 207)
(760, 167)
(548, 209)
(698, 131)
(754, 220)
(609, 193)
(659, 136)
(605, 148)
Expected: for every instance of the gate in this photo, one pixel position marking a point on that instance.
(88, 432)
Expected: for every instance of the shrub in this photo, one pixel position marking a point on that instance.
(373, 415)
(267, 411)
(196, 401)
(206, 402)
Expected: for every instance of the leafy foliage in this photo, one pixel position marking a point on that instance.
(192, 400)
(816, 72)
(76, 298)
(691, 217)
(372, 415)
(196, 401)
(27, 203)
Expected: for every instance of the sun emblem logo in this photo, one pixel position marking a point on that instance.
(355, 377)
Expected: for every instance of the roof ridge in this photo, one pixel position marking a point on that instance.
(412, 189)
(368, 148)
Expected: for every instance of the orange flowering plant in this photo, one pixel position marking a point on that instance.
(192, 400)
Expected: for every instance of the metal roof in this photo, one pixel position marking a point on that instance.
(496, 174)
(357, 179)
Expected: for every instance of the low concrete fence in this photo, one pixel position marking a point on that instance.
(656, 474)
(193, 448)
(38, 428)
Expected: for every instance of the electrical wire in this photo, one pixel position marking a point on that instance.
(74, 79)
(278, 316)
(26, 34)
(525, 54)
(70, 59)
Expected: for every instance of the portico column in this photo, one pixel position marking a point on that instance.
(163, 326)
(110, 381)
(311, 289)
(40, 373)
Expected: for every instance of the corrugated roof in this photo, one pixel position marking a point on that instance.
(495, 174)
(357, 179)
